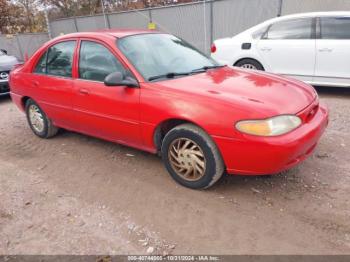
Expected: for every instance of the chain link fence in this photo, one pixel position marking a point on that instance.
(199, 23)
(21, 45)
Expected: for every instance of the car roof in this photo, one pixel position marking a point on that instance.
(291, 16)
(317, 14)
(304, 15)
(118, 33)
(312, 14)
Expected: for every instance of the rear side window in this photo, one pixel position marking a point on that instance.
(259, 33)
(335, 27)
(40, 67)
(291, 29)
(96, 62)
(60, 59)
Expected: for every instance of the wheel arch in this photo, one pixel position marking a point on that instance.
(251, 58)
(165, 126)
(24, 100)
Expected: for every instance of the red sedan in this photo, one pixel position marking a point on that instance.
(155, 92)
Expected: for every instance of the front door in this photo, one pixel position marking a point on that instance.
(109, 112)
(333, 52)
(288, 48)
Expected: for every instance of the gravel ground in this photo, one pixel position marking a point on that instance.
(75, 194)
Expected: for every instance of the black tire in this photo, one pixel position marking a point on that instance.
(49, 130)
(244, 62)
(214, 165)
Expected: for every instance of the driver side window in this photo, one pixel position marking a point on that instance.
(96, 62)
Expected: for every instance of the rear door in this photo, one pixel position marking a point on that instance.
(288, 48)
(333, 51)
(109, 112)
(52, 82)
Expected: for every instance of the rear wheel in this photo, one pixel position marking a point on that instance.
(191, 157)
(250, 64)
(40, 124)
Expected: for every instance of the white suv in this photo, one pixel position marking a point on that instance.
(312, 47)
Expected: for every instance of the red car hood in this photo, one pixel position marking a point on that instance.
(259, 91)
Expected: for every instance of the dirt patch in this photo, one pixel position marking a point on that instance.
(75, 194)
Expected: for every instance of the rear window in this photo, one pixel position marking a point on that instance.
(57, 60)
(40, 67)
(300, 28)
(60, 59)
(259, 33)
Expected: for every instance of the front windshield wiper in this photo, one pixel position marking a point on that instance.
(205, 68)
(173, 74)
(168, 75)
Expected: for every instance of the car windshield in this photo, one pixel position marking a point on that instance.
(162, 56)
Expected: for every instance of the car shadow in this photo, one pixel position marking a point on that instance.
(333, 91)
(284, 184)
(4, 98)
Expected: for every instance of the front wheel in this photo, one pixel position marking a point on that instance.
(191, 157)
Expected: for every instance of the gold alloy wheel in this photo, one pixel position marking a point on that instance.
(36, 118)
(187, 159)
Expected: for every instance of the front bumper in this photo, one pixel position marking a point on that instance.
(254, 155)
(4, 87)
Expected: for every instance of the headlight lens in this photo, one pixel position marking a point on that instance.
(274, 126)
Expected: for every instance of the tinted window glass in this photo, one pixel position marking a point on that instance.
(291, 29)
(60, 59)
(335, 27)
(40, 67)
(96, 62)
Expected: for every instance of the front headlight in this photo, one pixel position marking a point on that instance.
(273, 126)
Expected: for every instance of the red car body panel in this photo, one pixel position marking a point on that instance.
(214, 100)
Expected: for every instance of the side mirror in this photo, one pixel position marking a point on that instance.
(118, 79)
(4, 51)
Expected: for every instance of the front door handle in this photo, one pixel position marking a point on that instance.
(84, 91)
(325, 49)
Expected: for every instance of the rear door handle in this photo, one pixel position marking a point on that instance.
(266, 49)
(35, 83)
(325, 49)
(84, 91)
